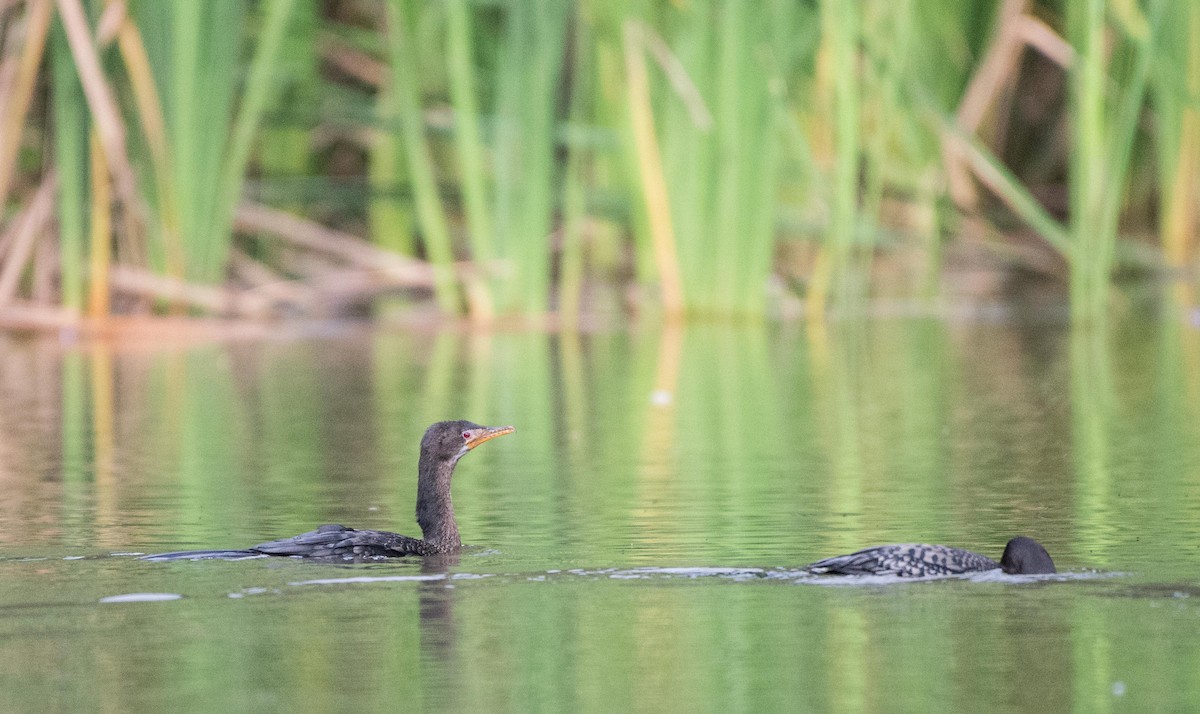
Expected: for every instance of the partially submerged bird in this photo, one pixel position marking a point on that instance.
(1022, 556)
(442, 446)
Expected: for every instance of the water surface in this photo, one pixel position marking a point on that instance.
(634, 546)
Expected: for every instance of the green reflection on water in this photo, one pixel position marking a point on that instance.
(705, 446)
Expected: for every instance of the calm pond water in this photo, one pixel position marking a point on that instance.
(634, 544)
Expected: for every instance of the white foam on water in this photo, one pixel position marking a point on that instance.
(371, 579)
(141, 597)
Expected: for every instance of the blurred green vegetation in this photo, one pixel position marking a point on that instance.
(585, 157)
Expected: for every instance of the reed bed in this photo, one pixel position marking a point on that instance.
(583, 158)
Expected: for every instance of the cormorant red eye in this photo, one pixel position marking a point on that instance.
(467, 435)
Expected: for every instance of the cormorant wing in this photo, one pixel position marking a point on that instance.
(913, 560)
(336, 540)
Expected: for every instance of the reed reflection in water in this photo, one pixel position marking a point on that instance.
(703, 446)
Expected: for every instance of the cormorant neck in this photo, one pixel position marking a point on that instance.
(435, 510)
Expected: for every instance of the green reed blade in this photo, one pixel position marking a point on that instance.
(1000, 179)
(71, 160)
(729, 110)
(530, 69)
(181, 42)
(1124, 130)
(285, 145)
(389, 214)
(468, 139)
(429, 210)
(256, 95)
(193, 49)
(574, 203)
(1103, 132)
(1086, 27)
(839, 38)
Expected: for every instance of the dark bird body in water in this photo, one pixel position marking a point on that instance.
(1022, 556)
(442, 446)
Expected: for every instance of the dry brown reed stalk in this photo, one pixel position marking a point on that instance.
(6, 6)
(1179, 223)
(354, 63)
(337, 268)
(101, 233)
(25, 316)
(964, 155)
(28, 226)
(254, 218)
(212, 300)
(16, 95)
(102, 104)
(110, 162)
(996, 73)
(1179, 219)
(264, 282)
(43, 282)
(1041, 37)
(153, 125)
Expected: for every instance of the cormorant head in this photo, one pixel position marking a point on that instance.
(1025, 556)
(449, 440)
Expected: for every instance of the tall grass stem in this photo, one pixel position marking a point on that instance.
(429, 209)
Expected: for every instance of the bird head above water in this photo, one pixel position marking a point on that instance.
(442, 446)
(1025, 556)
(450, 440)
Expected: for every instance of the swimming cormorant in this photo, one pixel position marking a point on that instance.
(442, 446)
(1022, 556)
